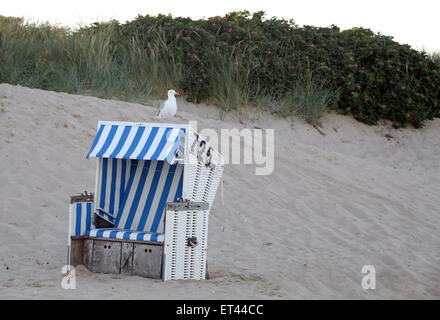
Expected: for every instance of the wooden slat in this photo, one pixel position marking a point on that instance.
(76, 251)
(127, 258)
(147, 260)
(106, 256)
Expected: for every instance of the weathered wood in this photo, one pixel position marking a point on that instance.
(88, 253)
(147, 260)
(207, 275)
(76, 251)
(106, 256)
(127, 258)
(187, 205)
(84, 197)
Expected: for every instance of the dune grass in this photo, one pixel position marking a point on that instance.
(308, 99)
(47, 57)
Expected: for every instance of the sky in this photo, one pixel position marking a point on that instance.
(415, 22)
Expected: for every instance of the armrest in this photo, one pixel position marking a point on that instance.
(80, 219)
(104, 219)
(80, 215)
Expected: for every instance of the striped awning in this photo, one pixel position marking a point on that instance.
(136, 142)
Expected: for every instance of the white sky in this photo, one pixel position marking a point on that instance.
(415, 22)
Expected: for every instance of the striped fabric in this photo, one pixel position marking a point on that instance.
(136, 142)
(81, 218)
(112, 182)
(106, 216)
(151, 185)
(125, 234)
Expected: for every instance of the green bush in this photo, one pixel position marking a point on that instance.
(234, 60)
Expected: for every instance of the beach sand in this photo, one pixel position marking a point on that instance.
(358, 195)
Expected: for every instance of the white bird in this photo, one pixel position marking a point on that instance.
(168, 108)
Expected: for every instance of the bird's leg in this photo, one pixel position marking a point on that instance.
(180, 117)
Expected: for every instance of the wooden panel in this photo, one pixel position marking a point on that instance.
(147, 260)
(76, 251)
(88, 253)
(127, 258)
(106, 256)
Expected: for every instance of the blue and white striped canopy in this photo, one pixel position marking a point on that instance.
(125, 141)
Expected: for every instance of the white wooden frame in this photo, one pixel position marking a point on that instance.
(180, 261)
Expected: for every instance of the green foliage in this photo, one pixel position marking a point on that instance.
(308, 99)
(435, 56)
(234, 60)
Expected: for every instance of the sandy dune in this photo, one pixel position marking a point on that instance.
(357, 196)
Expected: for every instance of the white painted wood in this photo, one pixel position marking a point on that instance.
(97, 179)
(69, 239)
(180, 260)
(144, 124)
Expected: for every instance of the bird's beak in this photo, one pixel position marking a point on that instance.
(177, 94)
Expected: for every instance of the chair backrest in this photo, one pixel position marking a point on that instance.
(112, 182)
(150, 186)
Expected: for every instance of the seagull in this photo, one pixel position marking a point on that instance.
(168, 108)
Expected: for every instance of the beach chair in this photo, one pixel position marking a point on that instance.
(148, 216)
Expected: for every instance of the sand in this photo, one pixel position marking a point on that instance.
(360, 195)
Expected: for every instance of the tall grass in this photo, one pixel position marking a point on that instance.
(229, 84)
(155, 66)
(23, 48)
(51, 58)
(309, 99)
